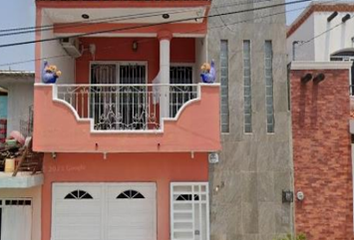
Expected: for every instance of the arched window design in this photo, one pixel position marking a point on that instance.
(78, 194)
(187, 197)
(130, 194)
(343, 55)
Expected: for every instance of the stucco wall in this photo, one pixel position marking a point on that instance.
(333, 40)
(303, 52)
(328, 38)
(160, 168)
(35, 195)
(253, 168)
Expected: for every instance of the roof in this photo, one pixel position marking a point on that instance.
(16, 73)
(319, 6)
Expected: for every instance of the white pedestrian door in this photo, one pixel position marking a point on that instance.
(104, 211)
(189, 211)
(15, 219)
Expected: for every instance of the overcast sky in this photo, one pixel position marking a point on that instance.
(21, 13)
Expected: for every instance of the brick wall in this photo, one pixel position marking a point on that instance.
(322, 155)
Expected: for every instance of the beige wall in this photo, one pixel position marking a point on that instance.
(35, 194)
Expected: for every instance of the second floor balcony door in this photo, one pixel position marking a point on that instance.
(118, 96)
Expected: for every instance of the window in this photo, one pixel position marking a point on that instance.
(247, 86)
(268, 59)
(78, 194)
(224, 68)
(130, 194)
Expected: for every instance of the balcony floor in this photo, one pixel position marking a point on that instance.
(22, 180)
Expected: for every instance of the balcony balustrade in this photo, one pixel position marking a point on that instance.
(126, 107)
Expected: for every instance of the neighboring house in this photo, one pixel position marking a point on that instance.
(320, 79)
(16, 107)
(323, 32)
(123, 158)
(20, 203)
(255, 162)
(323, 159)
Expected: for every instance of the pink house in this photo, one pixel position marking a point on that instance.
(128, 128)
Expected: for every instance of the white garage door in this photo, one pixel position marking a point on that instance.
(104, 211)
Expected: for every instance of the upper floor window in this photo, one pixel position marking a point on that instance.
(346, 55)
(224, 67)
(268, 75)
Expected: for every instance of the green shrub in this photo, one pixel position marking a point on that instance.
(301, 236)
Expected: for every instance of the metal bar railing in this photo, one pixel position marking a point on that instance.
(125, 107)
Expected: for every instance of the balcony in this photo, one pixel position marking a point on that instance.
(126, 118)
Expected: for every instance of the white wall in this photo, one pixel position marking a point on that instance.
(335, 39)
(53, 48)
(321, 48)
(305, 52)
(35, 194)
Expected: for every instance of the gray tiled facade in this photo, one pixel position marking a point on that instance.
(246, 185)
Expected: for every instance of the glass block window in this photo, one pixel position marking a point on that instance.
(224, 68)
(268, 59)
(247, 86)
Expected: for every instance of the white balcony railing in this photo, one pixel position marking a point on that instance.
(126, 107)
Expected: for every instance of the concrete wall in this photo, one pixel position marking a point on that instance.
(247, 183)
(35, 195)
(322, 154)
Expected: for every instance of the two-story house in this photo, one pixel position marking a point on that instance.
(320, 46)
(128, 128)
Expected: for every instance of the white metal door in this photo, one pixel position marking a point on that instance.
(131, 211)
(104, 211)
(189, 211)
(16, 219)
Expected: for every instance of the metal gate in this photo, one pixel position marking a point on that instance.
(179, 95)
(121, 104)
(190, 211)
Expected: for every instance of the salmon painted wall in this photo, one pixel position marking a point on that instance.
(119, 49)
(197, 128)
(159, 168)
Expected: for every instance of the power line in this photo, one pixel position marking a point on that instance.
(147, 40)
(319, 35)
(154, 24)
(16, 31)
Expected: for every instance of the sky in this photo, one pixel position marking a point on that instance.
(21, 13)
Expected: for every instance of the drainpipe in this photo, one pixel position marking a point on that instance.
(165, 39)
(294, 48)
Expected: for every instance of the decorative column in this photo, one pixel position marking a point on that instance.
(164, 38)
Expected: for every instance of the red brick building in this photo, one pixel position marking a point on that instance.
(320, 107)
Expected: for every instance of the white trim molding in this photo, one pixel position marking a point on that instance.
(311, 65)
